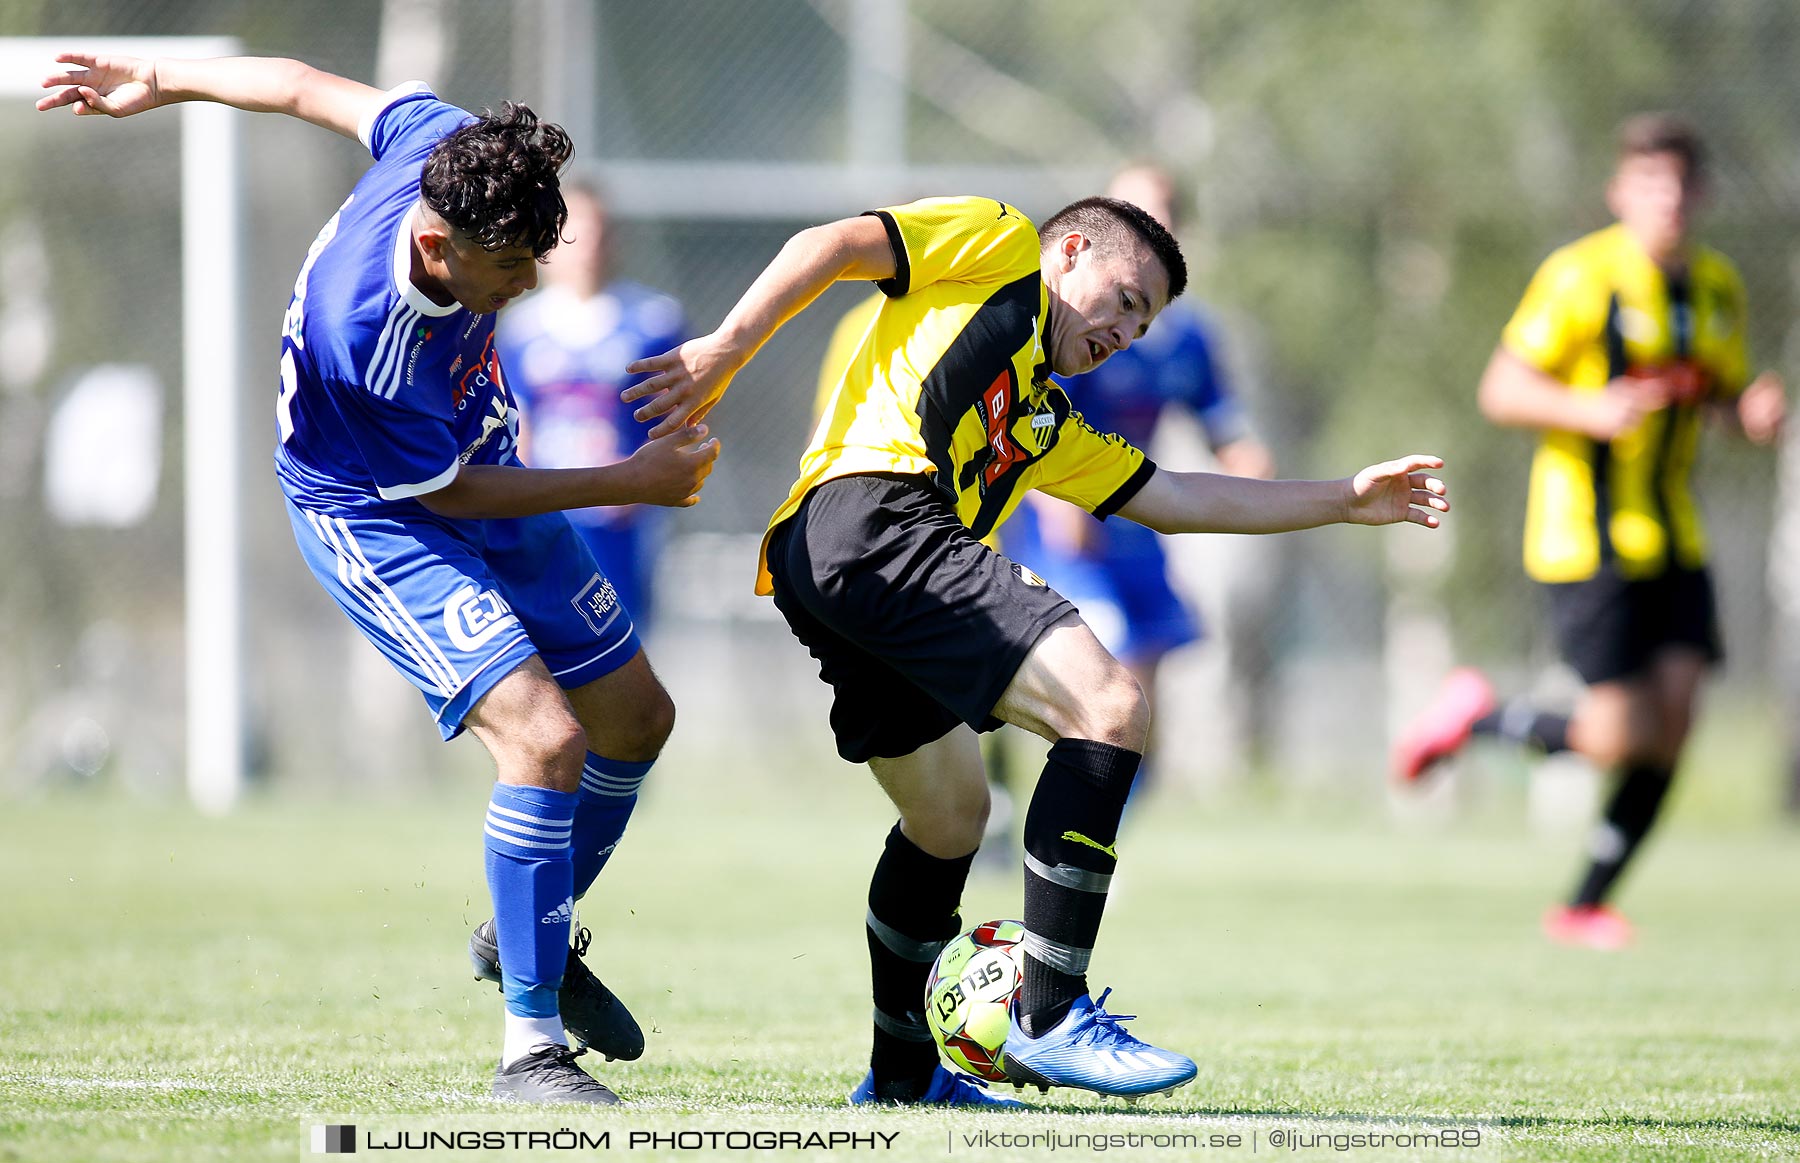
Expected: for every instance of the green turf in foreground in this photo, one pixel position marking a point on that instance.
(182, 989)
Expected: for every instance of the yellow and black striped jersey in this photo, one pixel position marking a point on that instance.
(840, 349)
(1598, 309)
(951, 379)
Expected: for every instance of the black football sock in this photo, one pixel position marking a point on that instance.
(912, 916)
(1520, 722)
(1070, 830)
(1628, 817)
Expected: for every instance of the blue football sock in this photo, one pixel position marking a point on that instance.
(609, 790)
(528, 874)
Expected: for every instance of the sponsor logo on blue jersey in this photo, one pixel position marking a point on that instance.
(473, 618)
(598, 604)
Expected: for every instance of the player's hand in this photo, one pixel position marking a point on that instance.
(670, 470)
(110, 86)
(684, 383)
(1762, 408)
(1621, 406)
(1395, 491)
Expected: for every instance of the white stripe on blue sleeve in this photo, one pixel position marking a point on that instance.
(365, 128)
(401, 492)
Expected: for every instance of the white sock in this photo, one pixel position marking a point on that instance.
(523, 1035)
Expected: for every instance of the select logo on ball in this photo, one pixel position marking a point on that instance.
(971, 987)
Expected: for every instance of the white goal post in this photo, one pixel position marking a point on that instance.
(211, 344)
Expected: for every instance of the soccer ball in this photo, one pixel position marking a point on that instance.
(972, 985)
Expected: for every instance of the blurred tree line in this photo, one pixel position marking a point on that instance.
(1373, 182)
(1376, 181)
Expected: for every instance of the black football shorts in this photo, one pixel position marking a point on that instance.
(917, 626)
(1609, 627)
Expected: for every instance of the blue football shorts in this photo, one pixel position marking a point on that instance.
(457, 605)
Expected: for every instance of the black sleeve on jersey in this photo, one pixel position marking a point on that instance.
(1123, 494)
(901, 283)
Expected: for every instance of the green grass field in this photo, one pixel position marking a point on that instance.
(187, 989)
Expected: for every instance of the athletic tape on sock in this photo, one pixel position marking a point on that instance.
(899, 944)
(1069, 876)
(1063, 958)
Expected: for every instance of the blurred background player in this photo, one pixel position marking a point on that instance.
(1117, 573)
(566, 347)
(397, 458)
(1625, 342)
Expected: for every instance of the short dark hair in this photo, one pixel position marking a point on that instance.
(495, 180)
(1113, 224)
(1654, 133)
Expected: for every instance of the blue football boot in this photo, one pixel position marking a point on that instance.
(1090, 1050)
(946, 1089)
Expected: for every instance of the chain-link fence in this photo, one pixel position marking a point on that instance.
(1370, 184)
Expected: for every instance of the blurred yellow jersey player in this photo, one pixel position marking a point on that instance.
(1625, 341)
(846, 340)
(967, 298)
(1600, 310)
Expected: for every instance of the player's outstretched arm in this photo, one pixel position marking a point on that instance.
(685, 383)
(1515, 394)
(668, 471)
(120, 86)
(1382, 494)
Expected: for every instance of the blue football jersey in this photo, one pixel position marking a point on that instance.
(567, 357)
(1172, 364)
(384, 394)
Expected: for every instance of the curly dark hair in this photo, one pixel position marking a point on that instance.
(1113, 224)
(495, 180)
